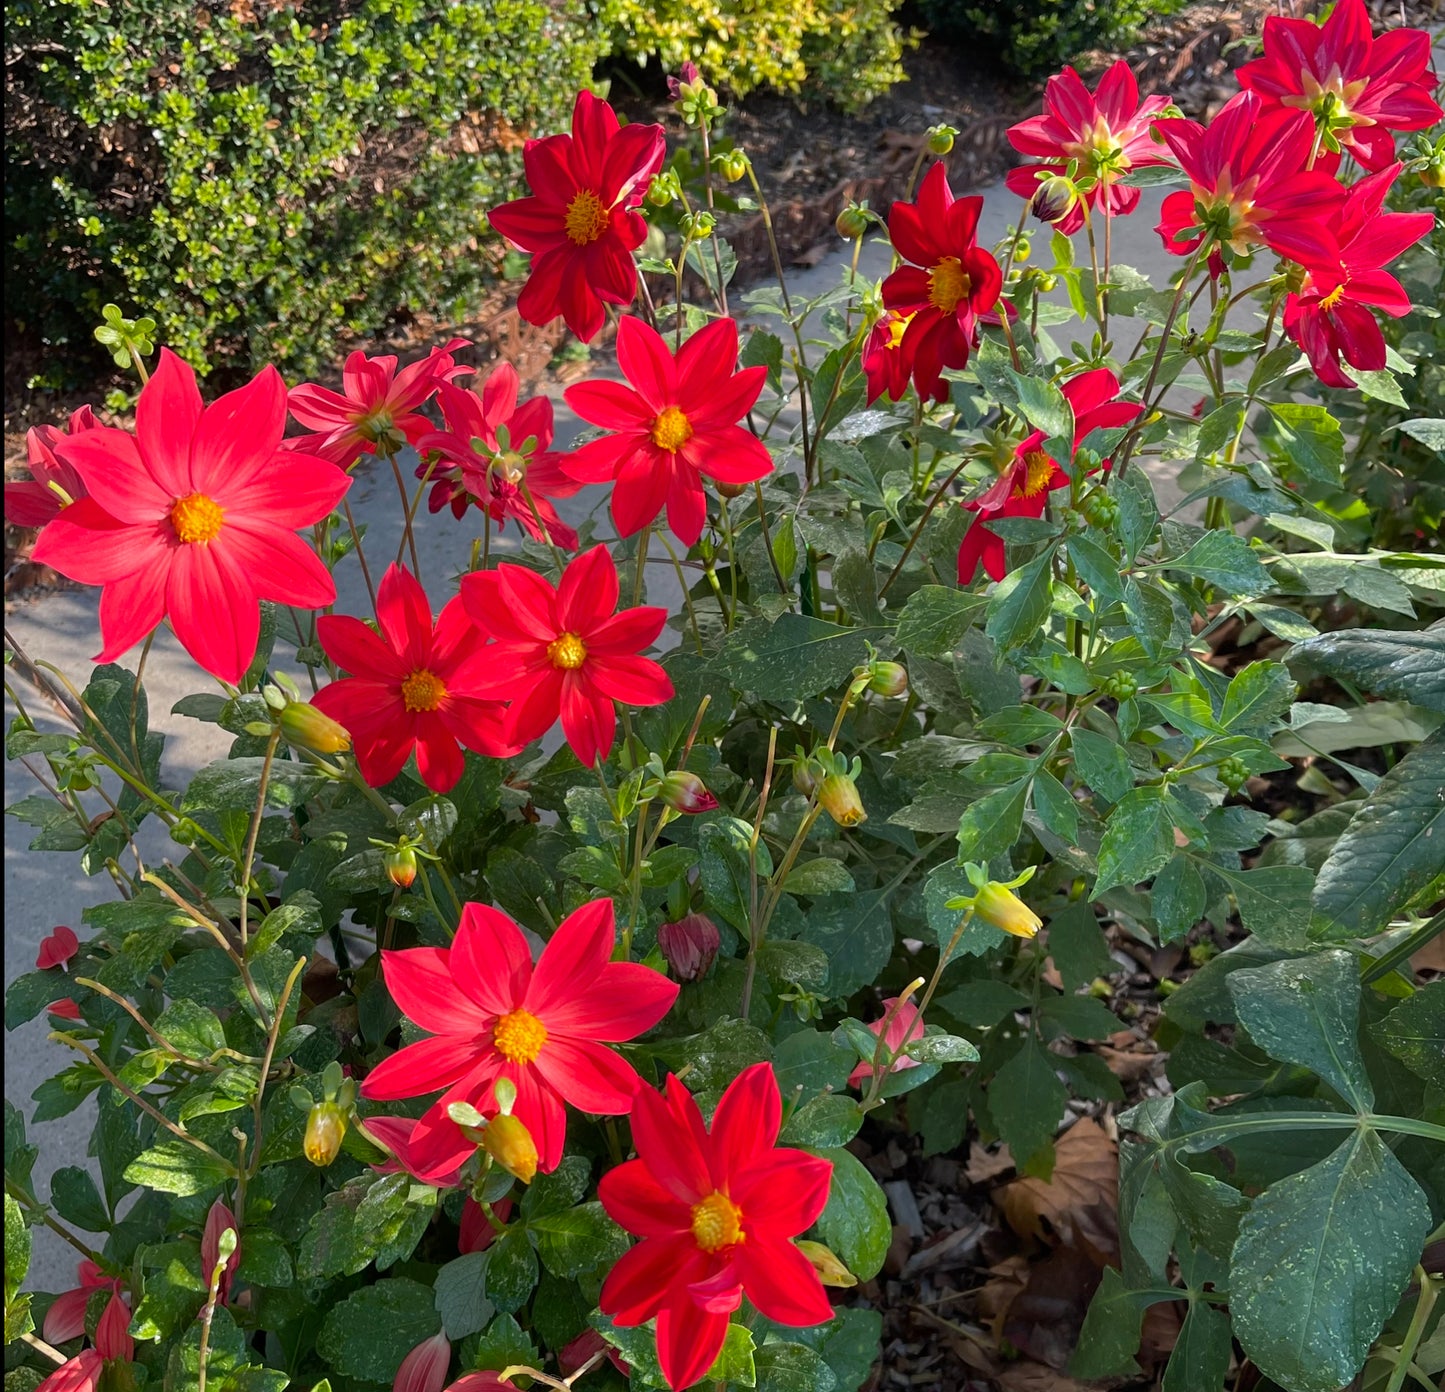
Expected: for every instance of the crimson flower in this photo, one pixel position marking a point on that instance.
(65, 1319)
(905, 1024)
(676, 421)
(581, 222)
(377, 404)
(716, 1210)
(1250, 183)
(194, 518)
(1329, 317)
(563, 653)
(398, 1135)
(494, 1015)
(53, 484)
(951, 283)
(1106, 131)
(64, 1008)
(57, 948)
(1022, 490)
(113, 1344)
(417, 685)
(218, 1219)
(1356, 88)
(497, 453)
(886, 367)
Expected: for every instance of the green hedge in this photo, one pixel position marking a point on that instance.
(264, 177)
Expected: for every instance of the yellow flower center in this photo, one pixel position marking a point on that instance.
(1334, 297)
(948, 283)
(586, 218)
(519, 1036)
(423, 691)
(897, 327)
(717, 1222)
(1038, 470)
(671, 430)
(196, 518)
(567, 653)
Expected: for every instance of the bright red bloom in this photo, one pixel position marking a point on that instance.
(1356, 88)
(563, 653)
(1330, 317)
(217, 1221)
(424, 1369)
(494, 1015)
(377, 404)
(885, 365)
(951, 283)
(581, 223)
(1023, 489)
(194, 517)
(716, 1211)
(905, 1025)
(677, 421)
(398, 1134)
(65, 1319)
(57, 948)
(64, 1008)
(416, 685)
(112, 1344)
(1106, 131)
(53, 484)
(496, 453)
(1250, 183)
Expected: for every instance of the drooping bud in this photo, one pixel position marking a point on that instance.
(830, 1269)
(325, 1128)
(806, 775)
(424, 1369)
(510, 1144)
(838, 795)
(695, 101)
(698, 225)
(663, 189)
(305, 727)
(852, 222)
(730, 490)
(684, 791)
(733, 165)
(690, 945)
(57, 948)
(888, 679)
(220, 1221)
(940, 139)
(1054, 198)
(400, 862)
(998, 904)
(585, 1347)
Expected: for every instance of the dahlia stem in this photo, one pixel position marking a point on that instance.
(722, 291)
(360, 554)
(272, 1035)
(408, 540)
(768, 541)
(255, 830)
(642, 542)
(686, 597)
(416, 498)
(918, 530)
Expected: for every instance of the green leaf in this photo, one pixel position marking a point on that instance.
(950, 882)
(1226, 561)
(1101, 763)
(1320, 1263)
(232, 785)
(1099, 570)
(1414, 1032)
(1080, 1017)
(724, 870)
(1428, 430)
(512, 1270)
(855, 1223)
(1178, 897)
(991, 825)
(17, 1250)
(1202, 1354)
(715, 1057)
(1306, 1010)
(1393, 848)
(1311, 438)
(1027, 1101)
(1410, 666)
(177, 1167)
(1138, 839)
(1113, 1326)
(793, 658)
(856, 933)
(1274, 900)
(798, 963)
(1056, 808)
(1257, 696)
(460, 1295)
(1044, 406)
(75, 1198)
(942, 1048)
(822, 876)
(1019, 607)
(504, 1344)
(577, 1239)
(191, 1029)
(828, 1120)
(792, 1368)
(369, 1333)
(809, 1060)
(935, 618)
(1076, 943)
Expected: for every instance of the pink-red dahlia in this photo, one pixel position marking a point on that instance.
(432, 1158)
(904, 1026)
(1106, 131)
(497, 454)
(717, 1210)
(1356, 88)
(1330, 316)
(1022, 490)
(57, 948)
(53, 484)
(563, 653)
(1250, 183)
(424, 1369)
(544, 1028)
(113, 1344)
(65, 1319)
(581, 222)
(194, 518)
(377, 406)
(417, 685)
(674, 421)
(950, 284)
(886, 366)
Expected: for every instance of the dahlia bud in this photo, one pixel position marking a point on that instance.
(400, 862)
(510, 1144)
(732, 166)
(424, 1369)
(686, 792)
(1433, 174)
(325, 1127)
(888, 679)
(851, 223)
(830, 1270)
(663, 189)
(690, 945)
(998, 904)
(306, 727)
(940, 139)
(1053, 198)
(694, 99)
(806, 775)
(838, 795)
(696, 226)
(730, 490)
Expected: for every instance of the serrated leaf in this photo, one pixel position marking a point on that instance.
(1274, 900)
(991, 825)
(935, 618)
(577, 1239)
(1410, 666)
(1311, 438)
(17, 1249)
(369, 1333)
(1138, 839)
(856, 933)
(1257, 696)
(793, 658)
(1227, 561)
(177, 1167)
(1020, 605)
(1414, 1032)
(1101, 763)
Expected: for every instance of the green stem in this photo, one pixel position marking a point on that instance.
(248, 859)
(1405, 1354)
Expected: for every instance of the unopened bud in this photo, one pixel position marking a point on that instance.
(308, 728)
(830, 1269)
(888, 679)
(851, 223)
(806, 775)
(730, 490)
(940, 139)
(690, 945)
(999, 905)
(663, 189)
(698, 225)
(686, 792)
(838, 795)
(325, 1127)
(400, 862)
(1053, 198)
(510, 1144)
(732, 166)
(1433, 174)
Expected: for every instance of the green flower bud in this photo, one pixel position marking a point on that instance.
(940, 139)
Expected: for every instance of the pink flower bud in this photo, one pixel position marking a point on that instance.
(686, 792)
(588, 1344)
(689, 76)
(112, 1336)
(477, 1233)
(65, 1008)
(690, 945)
(217, 1221)
(57, 949)
(424, 1369)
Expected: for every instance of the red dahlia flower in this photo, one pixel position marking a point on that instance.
(416, 685)
(716, 1211)
(496, 453)
(398, 1134)
(494, 1015)
(53, 484)
(677, 420)
(1330, 316)
(113, 1344)
(377, 405)
(1250, 183)
(905, 1024)
(65, 1008)
(194, 518)
(886, 367)
(57, 948)
(1356, 88)
(1106, 131)
(65, 1319)
(1023, 489)
(563, 653)
(951, 283)
(581, 222)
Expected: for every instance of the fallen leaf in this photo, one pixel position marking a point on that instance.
(1077, 1207)
(985, 1165)
(1045, 1317)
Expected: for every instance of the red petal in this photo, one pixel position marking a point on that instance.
(647, 1274)
(490, 959)
(689, 1340)
(65, 1319)
(573, 958)
(122, 484)
(355, 648)
(646, 363)
(439, 759)
(611, 405)
(641, 489)
(418, 1069)
(589, 720)
(672, 1142)
(404, 613)
(633, 1198)
(781, 1282)
(421, 983)
(541, 1111)
(635, 681)
(282, 566)
(784, 1193)
(238, 435)
(588, 591)
(746, 1122)
(591, 1078)
(130, 609)
(166, 416)
(292, 491)
(213, 610)
(627, 633)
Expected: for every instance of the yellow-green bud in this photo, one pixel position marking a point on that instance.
(400, 862)
(308, 728)
(325, 1128)
(732, 166)
(838, 796)
(888, 679)
(831, 1271)
(1053, 198)
(510, 1144)
(999, 905)
(940, 139)
(851, 223)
